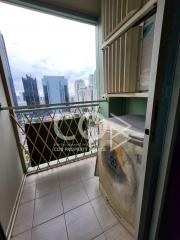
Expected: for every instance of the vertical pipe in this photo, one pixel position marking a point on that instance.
(112, 67)
(116, 67)
(119, 52)
(105, 70)
(109, 17)
(108, 70)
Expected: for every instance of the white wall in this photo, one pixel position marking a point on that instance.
(11, 173)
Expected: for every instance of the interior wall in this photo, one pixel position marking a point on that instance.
(136, 106)
(104, 107)
(123, 106)
(11, 173)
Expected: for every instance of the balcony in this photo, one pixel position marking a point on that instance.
(65, 203)
(61, 197)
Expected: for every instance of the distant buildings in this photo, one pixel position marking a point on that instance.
(85, 93)
(31, 95)
(20, 99)
(92, 86)
(7, 69)
(55, 89)
(80, 91)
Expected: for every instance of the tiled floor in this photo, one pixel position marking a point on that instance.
(65, 204)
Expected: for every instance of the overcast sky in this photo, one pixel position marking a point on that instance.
(41, 44)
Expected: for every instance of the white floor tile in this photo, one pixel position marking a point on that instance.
(74, 196)
(54, 229)
(46, 187)
(24, 218)
(28, 193)
(86, 170)
(86, 221)
(23, 236)
(68, 176)
(45, 176)
(92, 187)
(104, 213)
(118, 232)
(46, 208)
(102, 237)
(82, 223)
(31, 179)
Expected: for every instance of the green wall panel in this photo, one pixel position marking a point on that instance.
(123, 106)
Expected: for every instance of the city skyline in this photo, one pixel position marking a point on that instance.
(8, 69)
(40, 44)
(31, 94)
(56, 90)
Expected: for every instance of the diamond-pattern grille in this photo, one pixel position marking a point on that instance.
(51, 137)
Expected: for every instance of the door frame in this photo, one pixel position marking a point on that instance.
(160, 120)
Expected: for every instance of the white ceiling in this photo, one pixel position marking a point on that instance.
(89, 7)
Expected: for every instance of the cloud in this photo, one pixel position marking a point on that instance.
(41, 44)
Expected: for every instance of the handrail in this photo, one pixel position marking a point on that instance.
(44, 133)
(31, 107)
(55, 108)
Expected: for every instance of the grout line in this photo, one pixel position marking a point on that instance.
(47, 194)
(30, 229)
(66, 226)
(93, 209)
(104, 231)
(31, 234)
(99, 236)
(83, 183)
(97, 217)
(18, 234)
(34, 199)
(59, 191)
(33, 216)
(15, 209)
(21, 203)
(63, 212)
(46, 221)
(62, 189)
(76, 207)
(85, 190)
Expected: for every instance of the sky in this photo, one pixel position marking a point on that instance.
(40, 44)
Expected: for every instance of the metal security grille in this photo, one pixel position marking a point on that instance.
(121, 63)
(55, 135)
(115, 13)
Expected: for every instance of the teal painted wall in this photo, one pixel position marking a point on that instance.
(136, 106)
(123, 106)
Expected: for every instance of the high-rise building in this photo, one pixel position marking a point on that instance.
(55, 89)
(86, 93)
(92, 89)
(31, 95)
(89, 93)
(7, 69)
(80, 91)
(91, 80)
